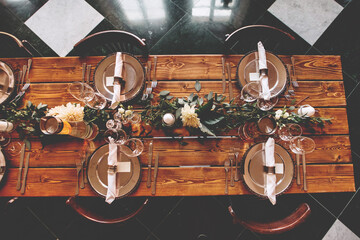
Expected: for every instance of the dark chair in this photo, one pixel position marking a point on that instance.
(245, 39)
(275, 227)
(107, 42)
(11, 46)
(96, 210)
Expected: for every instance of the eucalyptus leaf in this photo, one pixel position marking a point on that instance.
(210, 96)
(206, 130)
(181, 101)
(164, 93)
(197, 86)
(169, 97)
(200, 101)
(178, 113)
(190, 98)
(291, 108)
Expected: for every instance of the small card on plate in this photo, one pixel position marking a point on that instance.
(254, 76)
(109, 81)
(123, 166)
(279, 168)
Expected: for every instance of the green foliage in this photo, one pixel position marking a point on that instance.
(99, 117)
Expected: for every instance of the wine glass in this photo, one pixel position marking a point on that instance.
(122, 137)
(132, 147)
(5, 139)
(302, 145)
(98, 102)
(113, 124)
(266, 105)
(250, 92)
(289, 131)
(13, 148)
(135, 118)
(110, 133)
(81, 91)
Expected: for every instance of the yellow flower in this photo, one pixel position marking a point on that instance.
(189, 117)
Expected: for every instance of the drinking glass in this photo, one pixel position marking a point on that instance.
(122, 137)
(81, 91)
(98, 101)
(250, 92)
(110, 133)
(132, 147)
(289, 131)
(135, 118)
(113, 124)
(266, 105)
(5, 139)
(14, 148)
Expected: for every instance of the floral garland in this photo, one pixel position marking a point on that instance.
(212, 115)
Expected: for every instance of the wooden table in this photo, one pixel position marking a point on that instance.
(52, 169)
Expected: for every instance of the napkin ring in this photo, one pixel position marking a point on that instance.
(112, 168)
(269, 170)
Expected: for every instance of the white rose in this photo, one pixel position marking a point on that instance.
(121, 110)
(286, 115)
(278, 112)
(128, 112)
(277, 116)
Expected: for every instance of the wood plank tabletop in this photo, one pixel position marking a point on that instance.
(52, 169)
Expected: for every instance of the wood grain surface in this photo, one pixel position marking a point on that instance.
(52, 164)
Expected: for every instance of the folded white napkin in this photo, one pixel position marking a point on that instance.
(112, 160)
(264, 81)
(118, 73)
(270, 182)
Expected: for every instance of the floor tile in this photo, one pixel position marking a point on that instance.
(197, 216)
(307, 18)
(351, 214)
(298, 46)
(8, 21)
(188, 37)
(343, 2)
(340, 39)
(62, 24)
(339, 231)
(23, 9)
(334, 202)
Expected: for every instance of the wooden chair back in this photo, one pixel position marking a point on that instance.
(11, 46)
(245, 39)
(276, 227)
(89, 213)
(107, 42)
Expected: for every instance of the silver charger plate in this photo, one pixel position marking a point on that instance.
(97, 172)
(7, 82)
(133, 72)
(277, 72)
(253, 169)
(2, 165)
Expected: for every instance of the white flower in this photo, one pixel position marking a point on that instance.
(286, 115)
(189, 117)
(277, 116)
(128, 112)
(279, 112)
(70, 112)
(121, 110)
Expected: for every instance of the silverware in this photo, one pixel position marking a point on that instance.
(78, 169)
(148, 183)
(22, 191)
(19, 80)
(230, 85)
(301, 100)
(231, 158)
(23, 76)
(294, 81)
(83, 159)
(304, 171)
(155, 174)
(88, 71)
(290, 89)
(226, 167)
(145, 94)
(83, 77)
(22, 155)
(28, 70)
(154, 82)
(236, 177)
(223, 75)
(298, 169)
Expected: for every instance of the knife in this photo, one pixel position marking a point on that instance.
(28, 70)
(236, 178)
(230, 85)
(22, 191)
(22, 155)
(298, 169)
(148, 184)
(231, 158)
(223, 75)
(155, 174)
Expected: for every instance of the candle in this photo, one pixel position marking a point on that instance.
(169, 119)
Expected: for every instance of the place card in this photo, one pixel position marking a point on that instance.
(123, 166)
(109, 81)
(254, 76)
(279, 168)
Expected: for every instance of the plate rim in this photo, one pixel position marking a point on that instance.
(11, 93)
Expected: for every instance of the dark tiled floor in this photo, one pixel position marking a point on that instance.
(181, 27)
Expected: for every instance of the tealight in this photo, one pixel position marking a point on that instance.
(306, 110)
(169, 119)
(6, 126)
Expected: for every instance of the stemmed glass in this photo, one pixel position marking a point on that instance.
(250, 92)
(302, 145)
(85, 93)
(266, 105)
(289, 131)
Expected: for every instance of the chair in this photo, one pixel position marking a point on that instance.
(11, 46)
(86, 207)
(275, 227)
(107, 42)
(245, 39)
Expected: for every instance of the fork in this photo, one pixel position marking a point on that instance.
(78, 169)
(290, 90)
(145, 95)
(226, 167)
(294, 81)
(154, 82)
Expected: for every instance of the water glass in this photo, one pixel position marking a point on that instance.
(289, 131)
(250, 92)
(266, 105)
(98, 101)
(302, 145)
(81, 91)
(132, 147)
